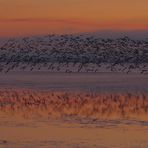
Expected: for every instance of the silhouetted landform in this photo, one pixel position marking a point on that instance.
(71, 53)
(83, 105)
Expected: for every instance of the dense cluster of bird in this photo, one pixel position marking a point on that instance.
(74, 53)
(70, 104)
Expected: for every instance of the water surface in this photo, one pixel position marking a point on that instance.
(100, 82)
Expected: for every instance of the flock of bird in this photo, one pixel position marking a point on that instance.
(69, 104)
(74, 53)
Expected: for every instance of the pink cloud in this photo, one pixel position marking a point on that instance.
(84, 23)
(40, 20)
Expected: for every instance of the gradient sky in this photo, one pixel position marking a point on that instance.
(30, 17)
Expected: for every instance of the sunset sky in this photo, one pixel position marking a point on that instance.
(31, 17)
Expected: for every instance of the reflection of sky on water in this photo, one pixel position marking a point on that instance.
(104, 82)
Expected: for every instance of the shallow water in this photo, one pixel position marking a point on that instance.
(100, 82)
(59, 118)
(32, 126)
(28, 133)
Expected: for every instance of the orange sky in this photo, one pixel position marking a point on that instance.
(25, 17)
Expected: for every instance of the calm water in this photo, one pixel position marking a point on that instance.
(101, 82)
